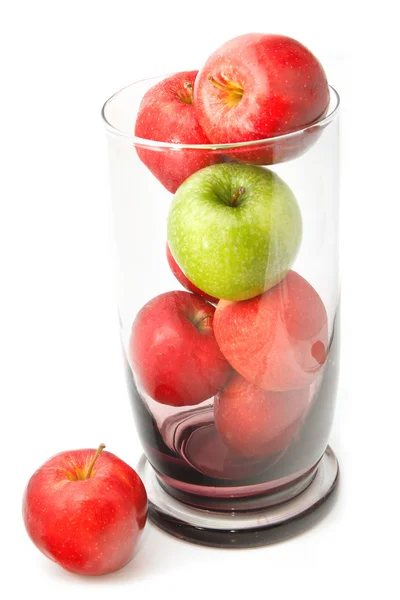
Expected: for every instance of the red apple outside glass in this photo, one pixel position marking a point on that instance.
(166, 114)
(173, 351)
(278, 340)
(259, 86)
(184, 281)
(85, 510)
(257, 423)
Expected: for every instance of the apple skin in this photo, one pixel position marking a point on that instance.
(173, 351)
(183, 280)
(259, 86)
(166, 114)
(87, 526)
(257, 423)
(236, 251)
(278, 340)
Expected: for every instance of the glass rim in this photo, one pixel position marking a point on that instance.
(144, 142)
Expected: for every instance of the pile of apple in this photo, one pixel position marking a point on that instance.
(234, 230)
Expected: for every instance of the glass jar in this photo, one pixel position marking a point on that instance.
(228, 304)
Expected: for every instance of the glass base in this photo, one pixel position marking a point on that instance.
(238, 528)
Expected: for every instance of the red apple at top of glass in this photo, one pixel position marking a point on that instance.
(166, 114)
(259, 86)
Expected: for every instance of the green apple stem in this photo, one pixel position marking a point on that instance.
(95, 457)
(236, 195)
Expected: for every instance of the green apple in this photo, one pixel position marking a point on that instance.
(234, 230)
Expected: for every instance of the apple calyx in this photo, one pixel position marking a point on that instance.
(236, 196)
(186, 95)
(233, 91)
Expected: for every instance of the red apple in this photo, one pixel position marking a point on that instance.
(183, 280)
(258, 423)
(85, 510)
(277, 340)
(173, 351)
(166, 114)
(259, 86)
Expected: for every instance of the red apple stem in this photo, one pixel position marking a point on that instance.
(227, 86)
(236, 195)
(216, 83)
(95, 457)
(197, 323)
(186, 95)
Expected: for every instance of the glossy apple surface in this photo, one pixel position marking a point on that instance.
(278, 340)
(183, 280)
(173, 351)
(234, 230)
(88, 520)
(259, 86)
(258, 423)
(166, 114)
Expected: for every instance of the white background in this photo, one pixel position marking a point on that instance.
(62, 383)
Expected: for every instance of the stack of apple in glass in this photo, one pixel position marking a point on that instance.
(233, 364)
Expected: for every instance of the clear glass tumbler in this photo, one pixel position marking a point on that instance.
(228, 304)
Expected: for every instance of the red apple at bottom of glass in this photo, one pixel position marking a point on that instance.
(85, 510)
(257, 423)
(166, 114)
(258, 86)
(183, 280)
(173, 351)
